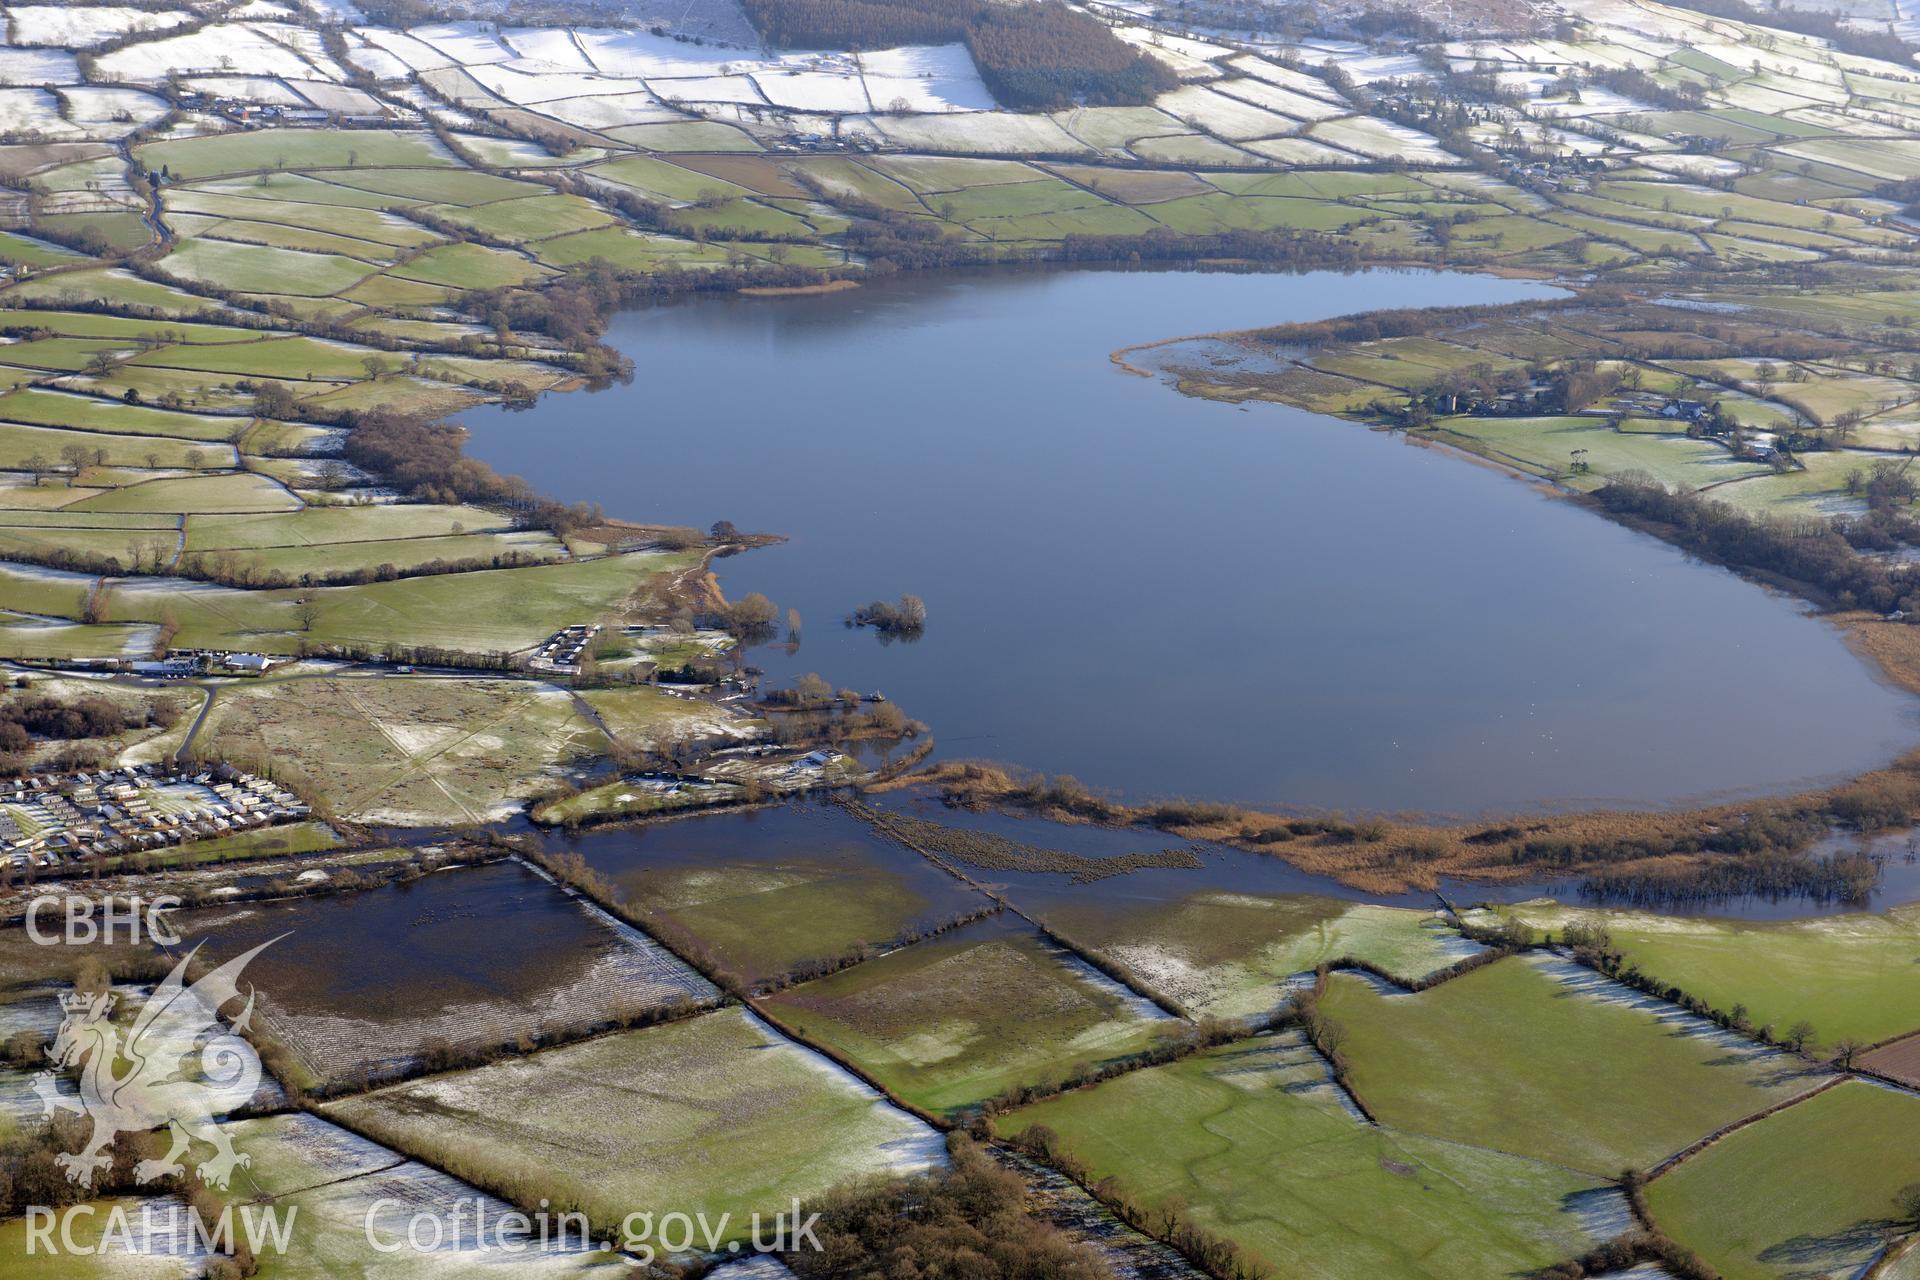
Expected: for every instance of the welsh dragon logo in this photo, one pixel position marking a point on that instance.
(177, 1068)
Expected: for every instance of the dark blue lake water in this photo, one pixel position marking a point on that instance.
(1167, 596)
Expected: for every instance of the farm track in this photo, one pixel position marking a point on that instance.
(208, 693)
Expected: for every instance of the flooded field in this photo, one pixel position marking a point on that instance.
(364, 982)
(770, 889)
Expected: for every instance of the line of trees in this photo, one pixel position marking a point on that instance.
(1815, 554)
(969, 1220)
(428, 461)
(1848, 877)
(1632, 82)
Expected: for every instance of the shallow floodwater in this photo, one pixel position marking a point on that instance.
(1166, 596)
(808, 829)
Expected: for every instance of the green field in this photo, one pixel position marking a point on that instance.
(82, 324)
(260, 269)
(629, 249)
(26, 251)
(692, 135)
(956, 1020)
(665, 180)
(299, 189)
(317, 526)
(332, 561)
(532, 218)
(299, 238)
(1851, 976)
(64, 354)
(469, 266)
(266, 842)
(621, 799)
(1248, 1140)
(1807, 1192)
(1229, 954)
(711, 1115)
(111, 1255)
(280, 149)
(300, 358)
(739, 216)
(1513, 1058)
(368, 227)
(19, 443)
(1546, 446)
(39, 542)
(122, 232)
(434, 186)
(1211, 214)
(237, 491)
(114, 287)
(489, 610)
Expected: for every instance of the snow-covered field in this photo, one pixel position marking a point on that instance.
(1302, 151)
(977, 133)
(551, 45)
(611, 111)
(228, 47)
(415, 55)
(1222, 116)
(465, 43)
(527, 88)
(1183, 56)
(641, 55)
(1281, 99)
(33, 111)
(336, 97)
(93, 106)
(374, 60)
(38, 66)
(708, 89)
(1382, 140)
(824, 91)
(930, 97)
(261, 89)
(83, 26)
(925, 78)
